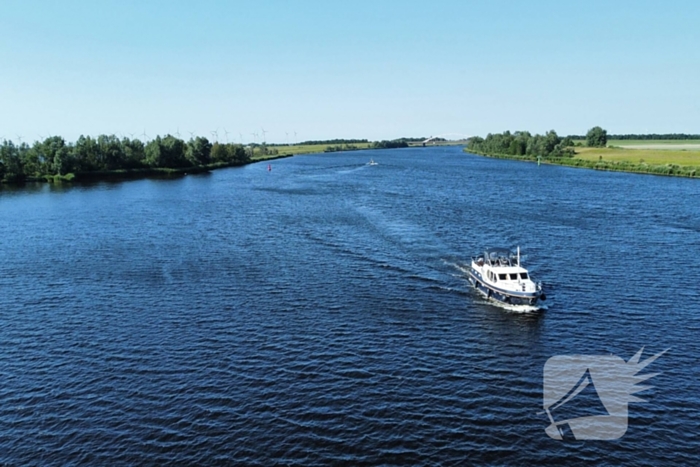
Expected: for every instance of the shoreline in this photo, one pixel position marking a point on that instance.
(669, 170)
(157, 172)
(137, 174)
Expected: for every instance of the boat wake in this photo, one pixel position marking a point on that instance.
(515, 308)
(460, 268)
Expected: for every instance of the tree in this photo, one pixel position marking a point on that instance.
(110, 150)
(152, 153)
(63, 161)
(133, 151)
(44, 154)
(87, 155)
(219, 153)
(166, 152)
(198, 151)
(551, 140)
(11, 168)
(596, 137)
(173, 152)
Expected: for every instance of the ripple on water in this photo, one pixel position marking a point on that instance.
(318, 314)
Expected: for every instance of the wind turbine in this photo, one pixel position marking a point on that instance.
(226, 132)
(177, 133)
(241, 136)
(215, 135)
(286, 137)
(295, 137)
(264, 133)
(145, 136)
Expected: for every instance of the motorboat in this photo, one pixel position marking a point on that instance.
(498, 275)
(371, 162)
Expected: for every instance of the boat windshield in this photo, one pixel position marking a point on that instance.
(499, 259)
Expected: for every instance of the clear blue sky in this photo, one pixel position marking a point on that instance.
(347, 69)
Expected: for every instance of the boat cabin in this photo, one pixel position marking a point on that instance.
(497, 257)
(504, 263)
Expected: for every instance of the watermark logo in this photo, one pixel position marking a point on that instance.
(586, 396)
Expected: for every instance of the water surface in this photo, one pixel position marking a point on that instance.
(318, 313)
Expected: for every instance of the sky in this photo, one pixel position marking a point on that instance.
(381, 69)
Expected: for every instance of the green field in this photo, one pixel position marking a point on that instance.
(289, 150)
(637, 153)
(650, 143)
(680, 158)
(654, 142)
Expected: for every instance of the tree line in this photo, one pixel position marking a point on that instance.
(523, 143)
(396, 143)
(55, 157)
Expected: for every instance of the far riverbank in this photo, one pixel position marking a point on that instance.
(279, 152)
(619, 159)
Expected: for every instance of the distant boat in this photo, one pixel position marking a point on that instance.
(269, 167)
(371, 162)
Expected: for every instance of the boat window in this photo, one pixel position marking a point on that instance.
(503, 277)
(514, 277)
(523, 275)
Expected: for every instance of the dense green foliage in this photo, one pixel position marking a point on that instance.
(596, 137)
(342, 147)
(397, 143)
(390, 144)
(617, 166)
(523, 146)
(53, 157)
(522, 143)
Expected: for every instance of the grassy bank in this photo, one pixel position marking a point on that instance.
(655, 143)
(317, 148)
(154, 172)
(645, 161)
(635, 154)
(649, 143)
(295, 150)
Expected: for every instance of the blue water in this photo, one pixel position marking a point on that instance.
(318, 313)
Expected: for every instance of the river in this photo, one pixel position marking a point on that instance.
(318, 313)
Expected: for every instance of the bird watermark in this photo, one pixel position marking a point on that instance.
(589, 394)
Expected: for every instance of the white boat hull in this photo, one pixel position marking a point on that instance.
(514, 289)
